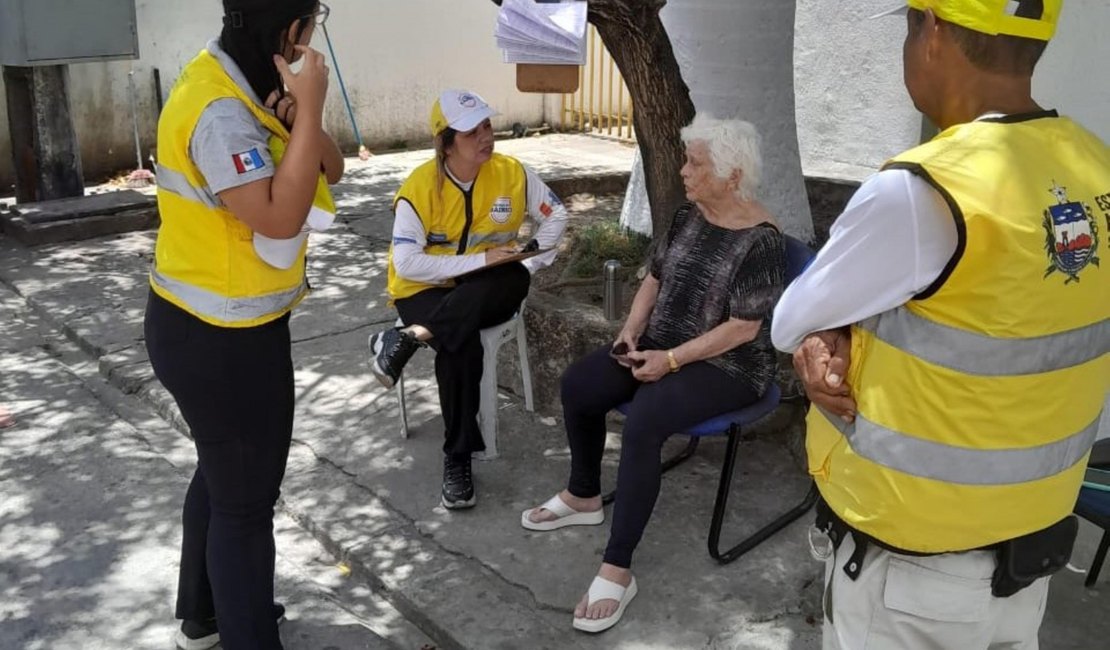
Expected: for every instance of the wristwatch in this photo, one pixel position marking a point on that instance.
(672, 361)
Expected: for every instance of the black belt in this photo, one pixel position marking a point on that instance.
(836, 528)
(1021, 561)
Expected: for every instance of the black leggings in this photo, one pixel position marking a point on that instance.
(455, 317)
(235, 390)
(595, 385)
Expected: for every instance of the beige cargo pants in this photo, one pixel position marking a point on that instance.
(940, 602)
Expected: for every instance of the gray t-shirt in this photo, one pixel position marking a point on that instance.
(229, 145)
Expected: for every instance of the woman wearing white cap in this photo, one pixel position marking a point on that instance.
(455, 216)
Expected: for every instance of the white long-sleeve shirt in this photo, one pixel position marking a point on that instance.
(409, 237)
(892, 242)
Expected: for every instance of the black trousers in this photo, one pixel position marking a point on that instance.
(595, 385)
(455, 316)
(235, 390)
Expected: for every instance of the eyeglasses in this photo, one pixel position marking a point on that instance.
(321, 15)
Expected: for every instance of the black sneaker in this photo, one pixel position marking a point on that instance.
(390, 350)
(202, 635)
(458, 484)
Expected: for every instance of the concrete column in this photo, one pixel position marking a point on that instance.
(738, 60)
(45, 152)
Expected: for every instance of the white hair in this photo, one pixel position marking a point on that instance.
(733, 145)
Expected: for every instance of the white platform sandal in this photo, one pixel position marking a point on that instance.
(602, 589)
(564, 516)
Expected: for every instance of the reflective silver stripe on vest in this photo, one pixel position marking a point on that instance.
(495, 238)
(222, 308)
(961, 465)
(978, 354)
(175, 182)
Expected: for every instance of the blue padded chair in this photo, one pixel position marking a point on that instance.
(1094, 503)
(798, 256)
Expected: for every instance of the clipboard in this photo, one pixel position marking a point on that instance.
(517, 257)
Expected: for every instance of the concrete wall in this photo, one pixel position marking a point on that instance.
(395, 56)
(853, 110)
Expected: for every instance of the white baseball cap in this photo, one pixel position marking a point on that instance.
(460, 110)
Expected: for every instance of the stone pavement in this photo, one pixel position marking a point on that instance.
(90, 531)
(470, 579)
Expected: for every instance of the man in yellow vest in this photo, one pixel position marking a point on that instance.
(953, 335)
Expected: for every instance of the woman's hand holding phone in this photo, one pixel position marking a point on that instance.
(309, 86)
(624, 344)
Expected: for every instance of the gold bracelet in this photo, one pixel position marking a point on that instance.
(672, 361)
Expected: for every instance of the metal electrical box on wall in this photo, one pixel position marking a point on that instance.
(53, 32)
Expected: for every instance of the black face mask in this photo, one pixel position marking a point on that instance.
(254, 32)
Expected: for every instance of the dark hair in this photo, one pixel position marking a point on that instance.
(255, 30)
(1001, 54)
(443, 142)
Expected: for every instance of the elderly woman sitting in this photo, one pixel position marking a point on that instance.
(696, 344)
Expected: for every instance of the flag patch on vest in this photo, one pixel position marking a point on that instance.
(248, 161)
(501, 210)
(1071, 236)
(549, 204)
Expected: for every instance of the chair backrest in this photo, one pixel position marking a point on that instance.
(1098, 469)
(798, 257)
(1100, 453)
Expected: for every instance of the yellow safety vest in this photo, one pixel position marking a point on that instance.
(463, 223)
(204, 260)
(979, 400)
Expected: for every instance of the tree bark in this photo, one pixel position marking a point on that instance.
(634, 34)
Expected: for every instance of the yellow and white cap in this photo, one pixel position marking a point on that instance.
(460, 110)
(1035, 19)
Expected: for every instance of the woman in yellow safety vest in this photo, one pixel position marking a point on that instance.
(453, 268)
(243, 173)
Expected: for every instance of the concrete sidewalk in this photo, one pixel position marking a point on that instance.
(92, 483)
(476, 579)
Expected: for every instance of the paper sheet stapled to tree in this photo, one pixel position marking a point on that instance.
(542, 32)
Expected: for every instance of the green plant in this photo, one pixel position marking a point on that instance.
(601, 241)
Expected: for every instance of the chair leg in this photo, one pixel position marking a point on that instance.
(1100, 556)
(668, 465)
(402, 407)
(759, 536)
(682, 456)
(487, 413)
(525, 367)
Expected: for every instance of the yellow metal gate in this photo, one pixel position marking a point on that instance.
(602, 106)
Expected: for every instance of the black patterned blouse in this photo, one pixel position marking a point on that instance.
(709, 274)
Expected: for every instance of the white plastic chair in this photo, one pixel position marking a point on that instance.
(492, 339)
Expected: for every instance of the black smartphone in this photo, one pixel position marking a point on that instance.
(620, 351)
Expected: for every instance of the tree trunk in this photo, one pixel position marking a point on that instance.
(634, 34)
